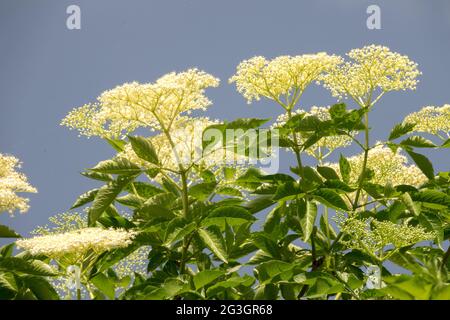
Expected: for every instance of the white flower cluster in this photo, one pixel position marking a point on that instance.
(153, 105)
(434, 120)
(77, 242)
(322, 148)
(372, 236)
(371, 68)
(284, 77)
(387, 166)
(11, 183)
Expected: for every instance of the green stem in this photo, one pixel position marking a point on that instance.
(78, 294)
(327, 226)
(295, 147)
(186, 244)
(366, 155)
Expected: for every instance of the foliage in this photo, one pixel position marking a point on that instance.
(330, 230)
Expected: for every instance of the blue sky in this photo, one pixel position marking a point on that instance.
(46, 69)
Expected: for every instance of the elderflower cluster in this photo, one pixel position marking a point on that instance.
(155, 105)
(371, 236)
(77, 242)
(186, 148)
(371, 68)
(387, 166)
(326, 145)
(434, 120)
(281, 77)
(11, 183)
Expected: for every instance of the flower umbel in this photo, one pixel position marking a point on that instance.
(372, 71)
(387, 166)
(326, 145)
(11, 183)
(372, 236)
(434, 120)
(154, 105)
(77, 243)
(282, 79)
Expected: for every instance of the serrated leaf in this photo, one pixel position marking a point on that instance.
(144, 149)
(330, 198)
(119, 166)
(6, 232)
(432, 196)
(97, 176)
(418, 142)
(106, 196)
(400, 130)
(328, 173)
(231, 214)
(117, 144)
(33, 267)
(345, 169)
(214, 241)
(104, 284)
(309, 220)
(409, 203)
(40, 288)
(205, 277)
(423, 163)
(85, 198)
(179, 233)
(202, 191)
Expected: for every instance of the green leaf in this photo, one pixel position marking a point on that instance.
(259, 203)
(432, 196)
(6, 232)
(338, 110)
(345, 169)
(117, 144)
(202, 191)
(8, 282)
(130, 200)
(85, 198)
(143, 189)
(232, 282)
(33, 267)
(119, 166)
(409, 203)
(232, 214)
(423, 163)
(418, 142)
(104, 284)
(330, 198)
(310, 174)
(144, 149)
(204, 278)
(309, 220)
(229, 191)
(170, 186)
(400, 130)
(7, 250)
(445, 144)
(178, 232)
(97, 176)
(328, 173)
(246, 123)
(40, 288)
(267, 271)
(214, 241)
(264, 242)
(106, 196)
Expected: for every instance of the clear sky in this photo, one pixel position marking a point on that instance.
(46, 69)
